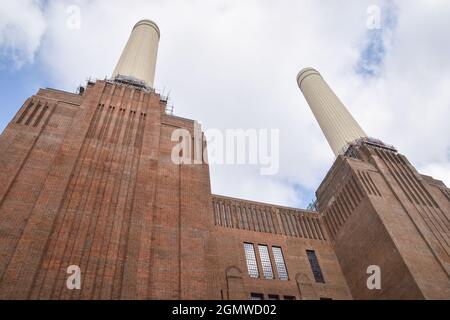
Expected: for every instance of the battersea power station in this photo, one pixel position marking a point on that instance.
(93, 207)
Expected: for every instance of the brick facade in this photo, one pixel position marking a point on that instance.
(381, 211)
(87, 180)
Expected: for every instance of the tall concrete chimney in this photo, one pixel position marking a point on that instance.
(138, 59)
(337, 124)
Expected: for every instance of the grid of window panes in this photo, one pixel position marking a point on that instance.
(279, 263)
(315, 267)
(250, 256)
(265, 261)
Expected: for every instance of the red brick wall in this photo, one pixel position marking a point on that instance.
(273, 226)
(379, 213)
(92, 184)
(88, 180)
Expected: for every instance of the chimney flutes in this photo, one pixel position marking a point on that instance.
(138, 59)
(337, 124)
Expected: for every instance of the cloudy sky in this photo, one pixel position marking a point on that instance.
(232, 64)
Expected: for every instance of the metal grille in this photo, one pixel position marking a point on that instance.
(250, 256)
(315, 267)
(265, 261)
(279, 263)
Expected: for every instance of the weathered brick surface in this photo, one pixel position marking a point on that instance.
(230, 256)
(88, 180)
(397, 225)
(92, 185)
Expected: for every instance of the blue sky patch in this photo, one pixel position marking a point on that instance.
(371, 59)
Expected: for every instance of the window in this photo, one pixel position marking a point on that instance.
(265, 261)
(329, 299)
(256, 296)
(250, 256)
(289, 298)
(274, 297)
(315, 267)
(279, 263)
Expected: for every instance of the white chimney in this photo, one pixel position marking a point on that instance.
(138, 59)
(337, 124)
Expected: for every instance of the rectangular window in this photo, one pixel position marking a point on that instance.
(265, 261)
(315, 267)
(256, 296)
(279, 263)
(250, 256)
(289, 297)
(328, 299)
(274, 297)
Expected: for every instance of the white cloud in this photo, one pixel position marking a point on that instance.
(232, 64)
(409, 105)
(246, 183)
(22, 26)
(440, 171)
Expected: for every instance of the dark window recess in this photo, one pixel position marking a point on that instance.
(315, 267)
(256, 296)
(326, 299)
(289, 298)
(25, 112)
(274, 297)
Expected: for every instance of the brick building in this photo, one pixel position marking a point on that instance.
(87, 179)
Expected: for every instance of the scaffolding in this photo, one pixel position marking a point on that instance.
(350, 150)
(313, 206)
(166, 98)
(135, 84)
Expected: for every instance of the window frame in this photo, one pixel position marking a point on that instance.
(280, 263)
(315, 266)
(251, 267)
(256, 295)
(266, 262)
